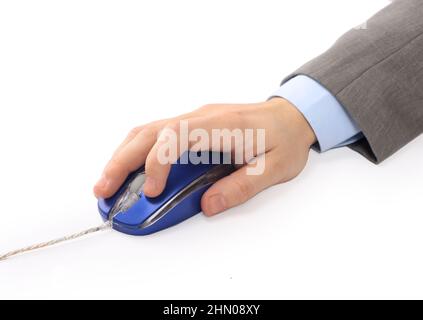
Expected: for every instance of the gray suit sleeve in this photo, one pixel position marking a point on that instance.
(376, 73)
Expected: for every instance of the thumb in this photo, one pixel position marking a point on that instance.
(241, 185)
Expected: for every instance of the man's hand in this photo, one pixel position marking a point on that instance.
(288, 141)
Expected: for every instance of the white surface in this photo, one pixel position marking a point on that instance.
(75, 76)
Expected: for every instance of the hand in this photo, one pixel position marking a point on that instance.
(288, 140)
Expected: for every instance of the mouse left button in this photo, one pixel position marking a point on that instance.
(129, 194)
(125, 198)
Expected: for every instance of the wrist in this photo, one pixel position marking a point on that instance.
(292, 117)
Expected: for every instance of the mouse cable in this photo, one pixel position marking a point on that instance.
(74, 236)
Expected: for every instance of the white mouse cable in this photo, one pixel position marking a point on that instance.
(104, 226)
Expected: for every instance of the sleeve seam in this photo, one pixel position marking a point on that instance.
(379, 62)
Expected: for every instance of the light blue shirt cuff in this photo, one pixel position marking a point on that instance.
(329, 120)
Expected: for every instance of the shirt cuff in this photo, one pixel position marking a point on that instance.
(329, 120)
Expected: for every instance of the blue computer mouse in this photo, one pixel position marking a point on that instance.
(131, 212)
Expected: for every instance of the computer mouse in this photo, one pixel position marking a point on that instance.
(131, 212)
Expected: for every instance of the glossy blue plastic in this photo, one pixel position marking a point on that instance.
(180, 176)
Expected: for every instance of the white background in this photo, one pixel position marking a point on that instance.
(75, 76)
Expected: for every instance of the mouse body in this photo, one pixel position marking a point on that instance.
(131, 212)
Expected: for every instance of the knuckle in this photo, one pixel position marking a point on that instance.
(172, 125)
(236, 117)
(245, 190)
(134, 132)
(148, 133)
(151, 167)
(205, 107)
(115, 167)
(154, 163)
(210, 107)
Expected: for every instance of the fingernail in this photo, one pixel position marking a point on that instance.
(150, 184)
(216, 204)
(102, 183)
